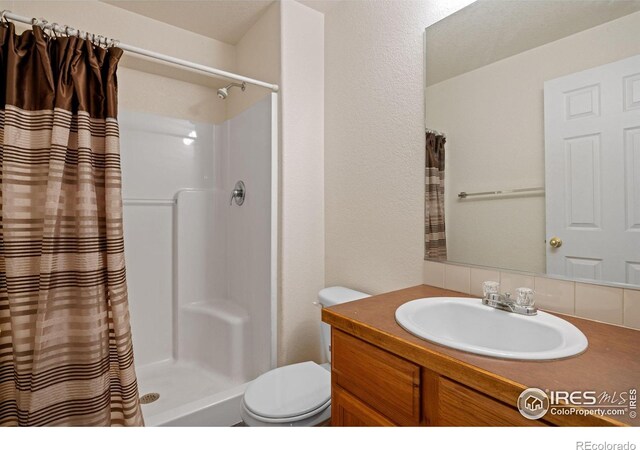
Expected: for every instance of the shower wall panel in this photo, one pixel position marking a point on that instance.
(160, 156)
(247, 139)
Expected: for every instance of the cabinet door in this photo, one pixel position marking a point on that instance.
(384, 381)
(460, 406)
(348, 411)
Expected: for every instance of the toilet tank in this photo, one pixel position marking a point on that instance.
(334, 296)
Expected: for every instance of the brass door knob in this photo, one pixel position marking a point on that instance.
(555, 242)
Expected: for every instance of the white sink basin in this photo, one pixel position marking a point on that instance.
(466, 324)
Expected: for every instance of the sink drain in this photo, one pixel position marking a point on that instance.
(149, 398)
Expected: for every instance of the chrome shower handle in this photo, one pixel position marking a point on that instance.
(238, 194)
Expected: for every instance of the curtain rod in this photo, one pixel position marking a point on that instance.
(102, 40)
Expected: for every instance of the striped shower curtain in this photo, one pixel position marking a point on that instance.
(66, 356)
(435, 240)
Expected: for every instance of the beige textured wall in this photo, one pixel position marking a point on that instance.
(144, 86)
(374, 141)
(494, 118)
(302, 228)
(258, 56)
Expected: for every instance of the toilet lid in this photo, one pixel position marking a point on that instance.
(289, 391)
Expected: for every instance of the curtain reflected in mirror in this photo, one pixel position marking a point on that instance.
(435, 245)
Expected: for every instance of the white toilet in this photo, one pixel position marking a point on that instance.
(297, 395)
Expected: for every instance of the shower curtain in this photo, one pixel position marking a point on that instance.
(435, 240)
(66, 356)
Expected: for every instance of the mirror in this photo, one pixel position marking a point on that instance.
(533, 138)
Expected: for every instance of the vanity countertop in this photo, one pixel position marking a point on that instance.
(610, 364)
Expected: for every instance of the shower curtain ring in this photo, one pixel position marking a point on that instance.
(3, 16)
(69, 31)
(54, 25)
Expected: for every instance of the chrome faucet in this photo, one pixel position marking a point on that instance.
(506, 303)
(238, 194)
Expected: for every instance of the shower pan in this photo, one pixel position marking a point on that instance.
(201, 270)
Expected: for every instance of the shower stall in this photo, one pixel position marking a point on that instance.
(201, 269)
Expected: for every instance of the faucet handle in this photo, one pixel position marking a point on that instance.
(490, 287)
(238, 194)
(525, 296)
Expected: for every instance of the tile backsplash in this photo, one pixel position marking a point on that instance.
(613, 305)
(602, 303)
(479, 276)
(509, 282)
(631, 314)
(555, 295)
(457, 278)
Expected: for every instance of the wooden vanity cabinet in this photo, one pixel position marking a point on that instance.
(372, 387)
(348, 411)
(388, 384)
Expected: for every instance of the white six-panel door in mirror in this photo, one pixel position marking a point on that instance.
(592, 171)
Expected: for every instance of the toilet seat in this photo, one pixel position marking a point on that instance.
(315, 412)
(288, 394)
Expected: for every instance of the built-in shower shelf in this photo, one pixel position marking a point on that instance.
(215, 335)
(224, 310)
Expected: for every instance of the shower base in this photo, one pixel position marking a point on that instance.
(189, 396)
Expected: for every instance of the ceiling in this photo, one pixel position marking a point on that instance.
(324, 6)
(490, 30)
(223, 20)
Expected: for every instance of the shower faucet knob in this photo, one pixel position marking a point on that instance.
(238, 194)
